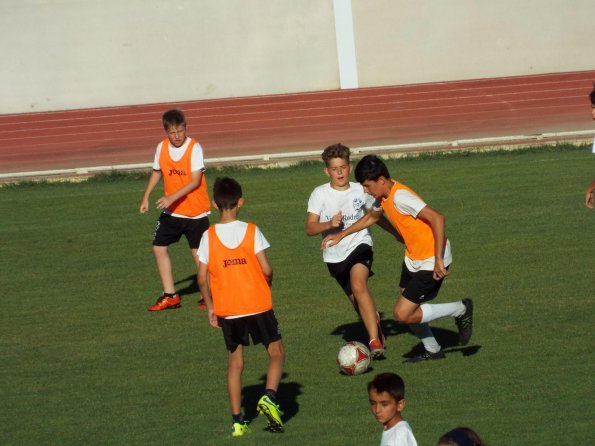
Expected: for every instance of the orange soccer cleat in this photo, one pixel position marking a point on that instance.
(164, 303)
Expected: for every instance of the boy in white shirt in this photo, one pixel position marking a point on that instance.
(332, 207)
(387, 400)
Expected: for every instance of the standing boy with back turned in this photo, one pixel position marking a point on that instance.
(427, 255)
(235, 278)
(179, 161)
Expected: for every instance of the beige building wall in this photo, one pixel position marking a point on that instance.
(69, 54)
(403, 42)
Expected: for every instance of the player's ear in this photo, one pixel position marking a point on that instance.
(214, 204)
(401, 405)
(241, 202)
(325, 170)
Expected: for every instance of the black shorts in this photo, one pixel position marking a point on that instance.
(341, 271)
(170, 229)
(263, 328)
(419, 287)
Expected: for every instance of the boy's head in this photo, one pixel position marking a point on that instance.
(227, 193)
(372, 173)
(174, 123)
(337, 167)
(461, 436)
(387, 398)
(592, 96)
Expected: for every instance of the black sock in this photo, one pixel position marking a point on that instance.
(272, 394)
(169, 294)
(237, 418)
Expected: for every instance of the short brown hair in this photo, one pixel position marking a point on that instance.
(173, 117)
(335, 151)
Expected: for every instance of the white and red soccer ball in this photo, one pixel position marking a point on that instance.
(353, 358)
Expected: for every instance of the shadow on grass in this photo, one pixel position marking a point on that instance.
(190, 287)
(448, 339)
(287, 397)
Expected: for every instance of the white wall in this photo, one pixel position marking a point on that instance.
(68, 54)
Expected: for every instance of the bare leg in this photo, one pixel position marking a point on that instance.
(275, 369)
(165, 268)
(235, 367)
(364, 301)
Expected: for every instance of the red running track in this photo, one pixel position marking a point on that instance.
(410, 114)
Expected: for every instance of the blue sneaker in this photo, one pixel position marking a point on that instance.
(270, 410)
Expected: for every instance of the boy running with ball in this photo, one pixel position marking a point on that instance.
(332, 207)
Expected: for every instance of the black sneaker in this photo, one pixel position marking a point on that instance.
(465, 322)
(425, 355)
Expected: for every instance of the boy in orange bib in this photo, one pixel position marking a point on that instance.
(427, 255)
(235, 278)
(179, 160)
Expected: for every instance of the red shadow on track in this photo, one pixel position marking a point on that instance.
(487, 108)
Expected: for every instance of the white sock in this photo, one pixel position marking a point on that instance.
(424, 333)
(431, 312)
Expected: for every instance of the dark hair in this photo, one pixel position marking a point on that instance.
(461, 436)
(173, 117)
(370, 167)
(592, 95)
(335, 151)
(390, 383)
(226, 193)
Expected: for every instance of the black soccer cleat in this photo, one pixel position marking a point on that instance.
(426, 355)
(465, 322)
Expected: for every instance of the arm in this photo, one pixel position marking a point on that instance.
(589, 195)
(265, 266)
(205, 291)
(167, 200)
(153, 180)
(366, 221)
(436, 221)
(315, 227)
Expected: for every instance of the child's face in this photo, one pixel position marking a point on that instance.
(176, 135)
(385, 408)
(338, 170)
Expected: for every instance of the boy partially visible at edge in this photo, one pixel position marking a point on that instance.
(235, 278)
(386, 393)
(427, 255)
(179, 160)
(331, 207)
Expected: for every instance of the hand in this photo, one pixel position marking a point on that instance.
(440, 272)
(164, 202)
(331, 240)
(337, 220)
(144, 207)
(213, 319)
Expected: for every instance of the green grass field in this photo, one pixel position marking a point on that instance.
(83, 362)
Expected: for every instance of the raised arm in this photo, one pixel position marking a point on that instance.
(315, 227)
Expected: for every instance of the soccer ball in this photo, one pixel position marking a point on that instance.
(353, 358)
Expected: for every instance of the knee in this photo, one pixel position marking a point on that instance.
(358, 288)
(401, 316)
(276, 351)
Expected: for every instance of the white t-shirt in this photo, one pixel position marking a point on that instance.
(231, 235)
(353, 202)
(197, 162)
(409, 204)
(398, 435)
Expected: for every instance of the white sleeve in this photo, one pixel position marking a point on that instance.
(197, 162)
(407, 203)
(156, 165)
(260, 242)
(314, 203)
(203, 248)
